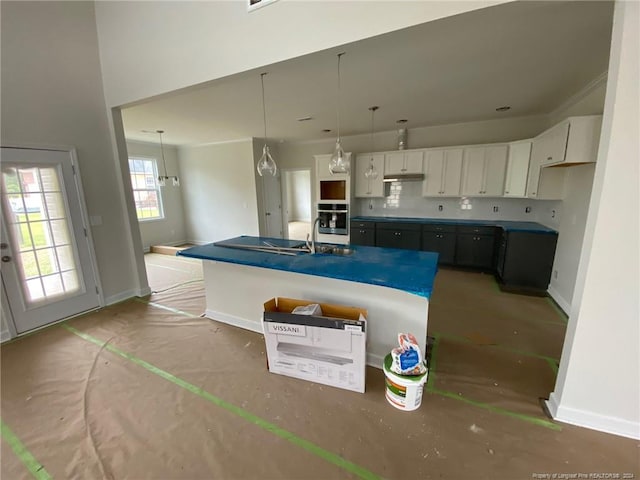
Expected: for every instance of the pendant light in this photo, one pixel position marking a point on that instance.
(266, 164)
(339, 162)
(371, 173)
(162, 179)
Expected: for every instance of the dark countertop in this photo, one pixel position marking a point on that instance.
(408, 270)
(509, 226)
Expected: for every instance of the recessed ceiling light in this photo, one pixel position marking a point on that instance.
(503, 109)
(401, 121)
(304, 119)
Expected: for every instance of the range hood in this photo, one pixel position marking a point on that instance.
(405, 177)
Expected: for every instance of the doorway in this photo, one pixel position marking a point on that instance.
(48, 269)
(296, 197)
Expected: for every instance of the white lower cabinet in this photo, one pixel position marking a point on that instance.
(369, 187)
(483, 171)
(442, 170)
(515, 184)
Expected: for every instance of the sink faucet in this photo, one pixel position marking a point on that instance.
(312, 246)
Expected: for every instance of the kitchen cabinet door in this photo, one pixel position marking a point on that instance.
(403, 162)
(525, 261)
(544, 183)
(398, 235)
(475, 251)
(553, 144)
(515, 184)
(483, 170)
(442, 170)
(362, 236)
(495, 164)
(322, 166)
(444, 243)
(473, 171)
(369, 187)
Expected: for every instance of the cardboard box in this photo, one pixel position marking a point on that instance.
(328, 349)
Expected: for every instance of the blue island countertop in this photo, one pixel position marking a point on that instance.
(506, 225)
(408, 270)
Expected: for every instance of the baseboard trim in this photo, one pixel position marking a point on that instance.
(559, 299)
(593, 421)
(143, 292)
(233, 320)
(373, 360)
(5, 335)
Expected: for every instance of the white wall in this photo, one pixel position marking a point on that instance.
(170, 230)
(52, 95)
(575, 206)
(219, 191)
(139, 39)
(597, 384)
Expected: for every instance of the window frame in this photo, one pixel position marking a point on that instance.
(156, 188)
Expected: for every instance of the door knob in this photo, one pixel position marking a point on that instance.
(6, 258)
(268, 213)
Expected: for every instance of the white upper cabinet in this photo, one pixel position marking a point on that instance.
(544, 183)
(403, 162)
(322, 166)
(369, 187)
(442, 170)
(574, 140)
(483, 170)
(515, 184)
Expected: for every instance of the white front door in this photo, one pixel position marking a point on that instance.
(47, 269)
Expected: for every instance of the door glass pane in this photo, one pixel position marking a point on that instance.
(55, 207)
(40, 232)
(60, 232)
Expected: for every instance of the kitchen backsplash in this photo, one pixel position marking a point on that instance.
(404, 199)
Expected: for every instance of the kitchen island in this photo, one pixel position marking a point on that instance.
(393, 285)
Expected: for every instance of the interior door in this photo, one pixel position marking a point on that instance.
(47, 269)
(272, 206)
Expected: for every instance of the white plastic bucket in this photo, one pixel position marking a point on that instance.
(403, 392)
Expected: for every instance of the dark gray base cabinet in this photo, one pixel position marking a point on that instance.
(398, 235)
(442, 240)
(522, 261)
(363, 233)
(475, 246)
(525, 261)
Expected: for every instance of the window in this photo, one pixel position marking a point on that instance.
(146, 192)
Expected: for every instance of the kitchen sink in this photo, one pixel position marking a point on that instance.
(333, 250)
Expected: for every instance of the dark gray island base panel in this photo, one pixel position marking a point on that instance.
(519, 254)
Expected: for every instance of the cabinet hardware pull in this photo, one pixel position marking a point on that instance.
(549, 158)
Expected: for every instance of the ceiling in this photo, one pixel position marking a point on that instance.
(531, 56)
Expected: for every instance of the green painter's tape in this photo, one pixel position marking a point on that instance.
(561, 314)
(431, 379)
(270, 427)
(29, 461)
(163, 307)
(553, 364)
(541, 422)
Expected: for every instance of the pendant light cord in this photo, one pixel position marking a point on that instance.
(339, 95)
(264, 110)
(164, 164)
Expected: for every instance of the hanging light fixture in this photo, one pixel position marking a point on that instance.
(266, 164)
(371, 173)
(339, 162)
(162, 179)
